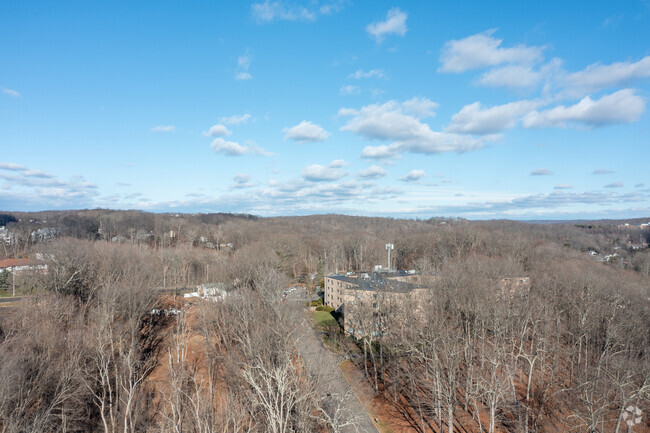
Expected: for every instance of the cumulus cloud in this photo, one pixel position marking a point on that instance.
(541, 172)
(381, 152)
(401, 124)
(601, 171)
(306, 132)
(232, 148)
(235, 119)
(12, 93)
(624, 106)
(217, 131)
(377, 73)
(372, 172)
(614, 185)
(563, 186)
(395, 24)
(482, 50)
(338, 163)
(420, 107)
(350, 90)
(320, 173)
(521, 76)
(413, 175)
(597, 77)
(163, 128)
(476, 119)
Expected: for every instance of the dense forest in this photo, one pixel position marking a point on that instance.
(84, 351)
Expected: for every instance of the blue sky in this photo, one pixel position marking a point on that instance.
(521, 110)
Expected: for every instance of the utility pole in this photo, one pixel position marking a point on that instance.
(389, 247)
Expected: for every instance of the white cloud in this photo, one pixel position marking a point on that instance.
(481, 50)
(217, 131)
(12, 167)
(277, 10)
(338, 163)
(281, 10)
(350, 90)
(377, 73)
(520, 76)
(614, 185)
(395, 24)
(12, 93)
(420, 107)
(38, 173)
(235, 119)
(243, 66)
(244, 62)
(413, 175)
(476, 119)
(36, 189)
(563, 186)
(306, 132)
(242, 181)
(597, 77)
(372, 172)
(243, 76)
(331, 6)
(380, 152)
(232, 148)
(601, 171)
(391, 122)
(541, 172)
(623, 106)
(163, 128)
(319, 173)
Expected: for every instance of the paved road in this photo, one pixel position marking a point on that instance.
(3, 300)
(323, 365)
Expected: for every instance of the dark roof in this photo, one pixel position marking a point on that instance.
(377, 281)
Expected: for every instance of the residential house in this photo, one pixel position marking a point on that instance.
(21, 266)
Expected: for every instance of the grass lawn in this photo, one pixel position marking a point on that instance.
(323, 319)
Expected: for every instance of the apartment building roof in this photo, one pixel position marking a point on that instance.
(377, 281)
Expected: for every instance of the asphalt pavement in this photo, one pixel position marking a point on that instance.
(324, 366)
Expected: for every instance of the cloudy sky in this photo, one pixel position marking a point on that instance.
(521, 110)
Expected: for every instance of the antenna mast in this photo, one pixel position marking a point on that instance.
(389, 247)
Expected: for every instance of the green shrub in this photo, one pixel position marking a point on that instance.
(317, 302)
(325, 308)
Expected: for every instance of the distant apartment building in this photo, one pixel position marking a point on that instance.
(364, 298)
(357, 294)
